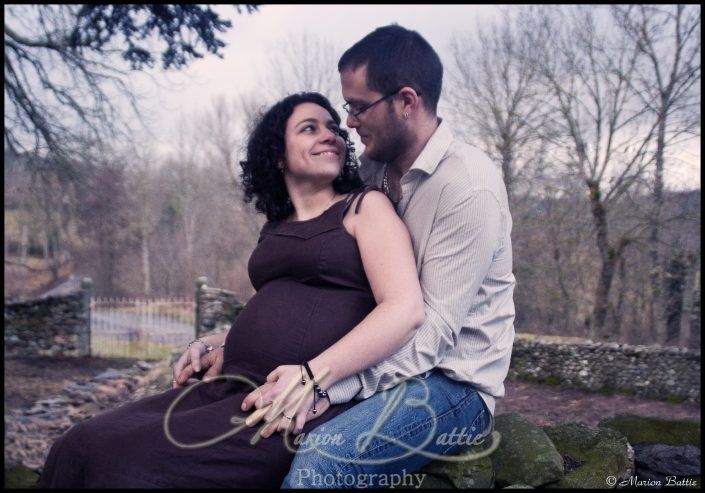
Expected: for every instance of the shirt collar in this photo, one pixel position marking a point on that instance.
(435, 149)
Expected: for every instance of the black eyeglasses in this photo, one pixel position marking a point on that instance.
(355, 113)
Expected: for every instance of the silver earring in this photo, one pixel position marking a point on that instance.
(406, 116)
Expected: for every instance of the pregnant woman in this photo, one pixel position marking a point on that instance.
(337, 291)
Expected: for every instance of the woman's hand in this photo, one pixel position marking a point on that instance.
(196, 358)
(291, 402)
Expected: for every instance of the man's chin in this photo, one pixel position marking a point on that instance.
(370, 153)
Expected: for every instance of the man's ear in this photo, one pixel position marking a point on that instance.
(411, 102)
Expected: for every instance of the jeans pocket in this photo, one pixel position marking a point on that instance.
(452, 391)
(470, 420)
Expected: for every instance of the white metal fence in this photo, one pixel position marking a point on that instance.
(140, 328)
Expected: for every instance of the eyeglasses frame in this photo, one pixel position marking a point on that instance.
(357, 113)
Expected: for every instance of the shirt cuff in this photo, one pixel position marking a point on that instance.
(345, 390)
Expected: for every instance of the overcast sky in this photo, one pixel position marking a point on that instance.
(253, 37)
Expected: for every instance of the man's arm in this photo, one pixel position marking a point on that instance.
(465, 236)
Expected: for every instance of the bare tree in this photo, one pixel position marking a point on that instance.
(304, 63)
(224, 135)
(667, 81)
(104, 217)
(605, 136)
(64, 67)
(494, 85)
(144, 187)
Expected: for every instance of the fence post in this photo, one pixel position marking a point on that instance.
(84, 338)
(200, 283)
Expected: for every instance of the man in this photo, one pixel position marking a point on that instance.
(454, 203)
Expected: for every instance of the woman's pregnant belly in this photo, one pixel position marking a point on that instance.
(287, 322)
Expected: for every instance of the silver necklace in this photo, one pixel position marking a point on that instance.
(385, 187)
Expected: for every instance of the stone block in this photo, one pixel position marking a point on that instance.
(595, 454)
(525, 455)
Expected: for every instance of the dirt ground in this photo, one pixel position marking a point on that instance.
(28, 380)
(545, 405)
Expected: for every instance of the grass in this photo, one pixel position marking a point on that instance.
(552, 381)
(110, 348)
(18, 476)
(674, 399)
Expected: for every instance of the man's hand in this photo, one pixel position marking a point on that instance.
(195, 359)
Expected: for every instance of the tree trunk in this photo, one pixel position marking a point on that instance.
(688, 300)
(608, 257)
(657, 315)
(189, 222)
(23, 244)
(145, 259)
(47, 256)
(507, 158)
(694, 321)
(675, 283)
(618, 316)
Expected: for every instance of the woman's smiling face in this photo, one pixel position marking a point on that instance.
(314, 147)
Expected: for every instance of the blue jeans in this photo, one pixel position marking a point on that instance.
(393, 433)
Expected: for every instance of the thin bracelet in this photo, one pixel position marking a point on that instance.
(209, 348)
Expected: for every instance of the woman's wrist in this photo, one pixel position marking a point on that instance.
(308, 374)
(211, 342)
(317, 366)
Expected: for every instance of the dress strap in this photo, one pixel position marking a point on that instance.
(361, 192)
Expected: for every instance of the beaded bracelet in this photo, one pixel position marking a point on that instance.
(317, 390)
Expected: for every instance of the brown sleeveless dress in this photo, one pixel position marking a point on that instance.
(311, 290)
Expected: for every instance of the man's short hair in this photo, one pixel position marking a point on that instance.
(397, 57)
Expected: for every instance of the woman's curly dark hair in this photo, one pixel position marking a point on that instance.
(261, 177)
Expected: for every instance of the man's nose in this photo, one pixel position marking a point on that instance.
(352, 122)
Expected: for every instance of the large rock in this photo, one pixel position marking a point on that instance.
(470, 474)
(638, 429)
(592, 454)
(657, 462)
(525, 455)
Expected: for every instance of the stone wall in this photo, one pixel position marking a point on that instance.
(50, 326)
(660, 373)
(216, 308)
(60, 325)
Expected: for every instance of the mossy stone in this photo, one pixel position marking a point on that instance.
(525, 454)
(638, 429)
(603, 452)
